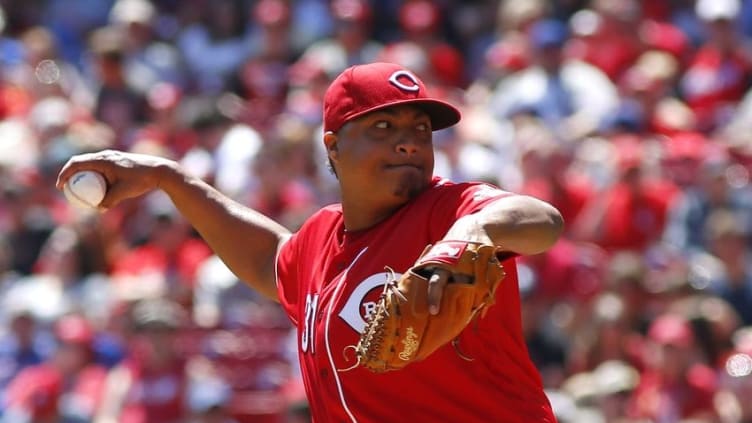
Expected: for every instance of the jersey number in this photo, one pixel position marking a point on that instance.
(309, 324)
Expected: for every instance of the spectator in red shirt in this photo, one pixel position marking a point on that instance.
(720, 72)
(677, 384)
(606, 37)
(545, 167)
(630, 214)
(150, 384)
(421, 22)
(166, 260)
(66, 387)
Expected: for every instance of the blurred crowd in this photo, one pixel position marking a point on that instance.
(633, 117)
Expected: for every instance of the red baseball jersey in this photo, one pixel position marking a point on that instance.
(329, 281)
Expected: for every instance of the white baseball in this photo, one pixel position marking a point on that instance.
(85, 189)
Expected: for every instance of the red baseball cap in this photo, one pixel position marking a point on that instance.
(361, 89)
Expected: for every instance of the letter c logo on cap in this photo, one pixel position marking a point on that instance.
(394, 79)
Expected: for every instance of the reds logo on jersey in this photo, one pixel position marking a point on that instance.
(362, 301)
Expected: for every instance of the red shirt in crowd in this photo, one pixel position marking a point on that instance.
(715, 81)
(569, 195)
(155, 395)
(635, 219)
(38, 390)
(660, 400)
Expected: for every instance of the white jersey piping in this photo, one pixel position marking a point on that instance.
(335, 373)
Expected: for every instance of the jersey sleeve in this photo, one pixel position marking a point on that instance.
(287, 275)
(475, 196)
(460, 200)
(296, 256)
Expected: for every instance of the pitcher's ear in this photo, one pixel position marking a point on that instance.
(330, 142)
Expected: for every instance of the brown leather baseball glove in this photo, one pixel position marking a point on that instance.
(401, 330)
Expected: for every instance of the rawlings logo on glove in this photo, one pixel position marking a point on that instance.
(401, 330)
(411, 344)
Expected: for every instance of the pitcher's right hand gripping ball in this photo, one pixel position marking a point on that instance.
(401, 330)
